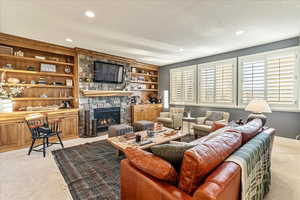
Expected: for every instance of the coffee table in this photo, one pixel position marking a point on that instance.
(120, 143)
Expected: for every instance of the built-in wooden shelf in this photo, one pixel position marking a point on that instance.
(17, 114)
(109, 93)
(35, 72)
(147, 67)
(147, 90)
(141, 74)
(145, 82)
(35, 86)
(40, 98)
(35, 60)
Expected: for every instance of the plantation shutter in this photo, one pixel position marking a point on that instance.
(216, 82)
(176, 86)
(183, 85)
(253, 80)
(206, 84)
(224, 83)
(271, 76)
(189, 84)
(281, 82)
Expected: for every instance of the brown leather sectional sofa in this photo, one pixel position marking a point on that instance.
(204, 173)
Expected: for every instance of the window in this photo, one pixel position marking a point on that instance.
(166, 99)
(183, 85)
(271, 76)
(253, 80)
(216, 83)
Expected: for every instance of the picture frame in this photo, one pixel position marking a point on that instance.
(6, 50)
(47, 67)
(69, 82)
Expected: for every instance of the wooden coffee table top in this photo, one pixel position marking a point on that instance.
(122, 142)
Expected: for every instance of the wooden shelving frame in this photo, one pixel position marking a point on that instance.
(14, 132)
(22, 58)
(148, 72)
(41, 98)
(147, 90)
(142, 74)
(144, 82)
(35, 72)
(36, 86)
(54, 54)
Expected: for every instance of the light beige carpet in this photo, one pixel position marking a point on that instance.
(285, 170)
(33, 177)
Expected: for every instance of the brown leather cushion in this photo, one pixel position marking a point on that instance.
(151, 165)
(199, 161)
(250, 129)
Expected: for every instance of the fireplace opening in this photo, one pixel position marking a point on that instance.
(106, 117)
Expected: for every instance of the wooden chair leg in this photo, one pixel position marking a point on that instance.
(60, 140)
(30, 149)
(44, 147)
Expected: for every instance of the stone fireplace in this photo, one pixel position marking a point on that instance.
(88, 119)
(105, 117)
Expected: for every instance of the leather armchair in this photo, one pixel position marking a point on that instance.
(172, 119)
(203, 124)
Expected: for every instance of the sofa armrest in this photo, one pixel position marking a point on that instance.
(135, 185)
(222, 121)
(222, 184)
(164, 114)
(200, 120)
(270, 131)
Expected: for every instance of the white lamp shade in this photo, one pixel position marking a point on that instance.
(258, 106)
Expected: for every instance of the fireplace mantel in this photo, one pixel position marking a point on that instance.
(108, 93)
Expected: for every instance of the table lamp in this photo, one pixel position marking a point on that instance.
(258, 107)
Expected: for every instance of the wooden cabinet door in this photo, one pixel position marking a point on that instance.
(138, 113)
(26, 137)
(9, 136)
(151, 113)
(69, 126)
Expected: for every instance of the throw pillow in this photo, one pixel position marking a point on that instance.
(151, 165)
(216, 125)
(173, 153)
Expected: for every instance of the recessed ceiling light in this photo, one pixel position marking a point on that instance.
(89, 13)
(240, 32)
(69, 40)
(181, 49)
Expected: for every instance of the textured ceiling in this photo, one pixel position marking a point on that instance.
(153, 31)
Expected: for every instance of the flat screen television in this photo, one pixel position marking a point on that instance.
(108, 72)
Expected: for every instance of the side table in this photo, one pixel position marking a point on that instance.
(189, 120)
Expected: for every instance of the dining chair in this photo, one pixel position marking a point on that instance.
(42, 129)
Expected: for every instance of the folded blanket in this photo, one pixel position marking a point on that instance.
(254, 160)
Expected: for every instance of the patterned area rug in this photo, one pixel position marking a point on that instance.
(91, 171)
